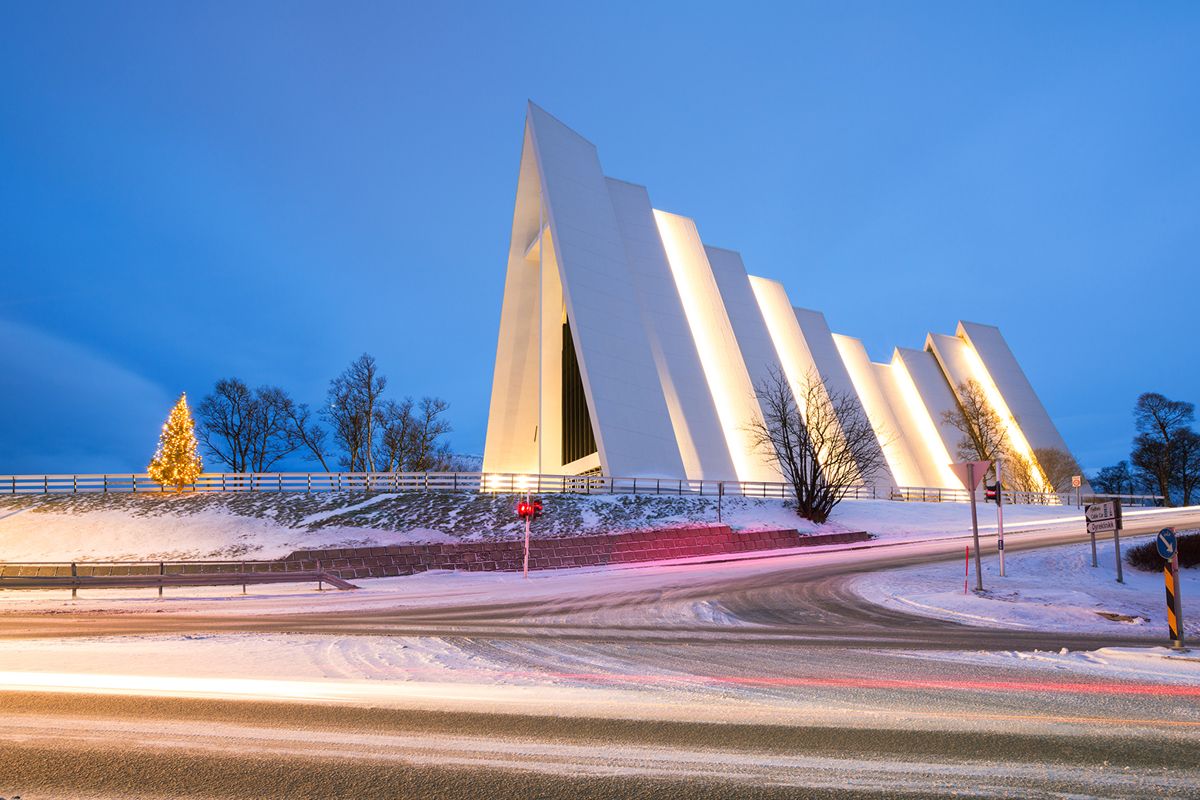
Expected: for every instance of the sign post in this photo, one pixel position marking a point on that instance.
(527, 509)
(1168, 548)
(1117, 539)
(1000, 515)
(966, 568)
(1102, 517)
(971, 473)
(1077, 485)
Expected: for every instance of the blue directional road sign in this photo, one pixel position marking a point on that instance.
(1166, 544)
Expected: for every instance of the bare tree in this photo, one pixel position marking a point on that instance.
(410, 435)
(1163, 450)
(271, 437)
(226, 418)
(353, 399)
(984, 437)
(253, 431)
(1187, 464)
(1058, 466)
(1117, 479)
(822, 442)
(396, 434)
(429, 452)
(306, 431)
(247, 431)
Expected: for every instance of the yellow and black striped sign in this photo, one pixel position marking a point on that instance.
(1171, 578)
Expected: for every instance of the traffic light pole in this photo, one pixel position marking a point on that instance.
(528, 517)
(975, 527)
(1000, 515)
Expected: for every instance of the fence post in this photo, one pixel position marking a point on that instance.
(279, 475)
(74, 484)
(161, 572)
(106, 483)
(243, 577)
(74, 585)
(45, 484)
(320, 585)
(134, 479)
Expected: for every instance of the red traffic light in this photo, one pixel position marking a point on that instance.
(529, 508)
(992, 492)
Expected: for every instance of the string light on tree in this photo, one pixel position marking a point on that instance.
(176, 462)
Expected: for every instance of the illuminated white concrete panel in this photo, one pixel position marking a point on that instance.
(919, 370)
(962, 364)
(551, 343)
(754, 342)
(694, 419)
(871, 384)
(806, 350)
(832, 370)
(629, 414)
(1012, 384)
(729, 384)
(791, 349)
(513, 413)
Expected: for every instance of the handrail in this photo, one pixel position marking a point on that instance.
(505, 483)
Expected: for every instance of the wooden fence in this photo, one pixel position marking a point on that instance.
(505, 483)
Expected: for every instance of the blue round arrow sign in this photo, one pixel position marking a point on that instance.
(1166, 543)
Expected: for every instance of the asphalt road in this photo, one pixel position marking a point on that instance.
(822, 695)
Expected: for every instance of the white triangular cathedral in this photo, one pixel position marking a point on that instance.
(630, 348)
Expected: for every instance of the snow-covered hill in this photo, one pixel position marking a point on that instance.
(270, 525)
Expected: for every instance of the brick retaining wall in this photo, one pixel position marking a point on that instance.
(576, 551)
(504, 556)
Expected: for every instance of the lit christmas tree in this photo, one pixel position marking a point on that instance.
(176, 463)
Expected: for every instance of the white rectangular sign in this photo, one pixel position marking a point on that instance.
(1102, 526)
(1099, 511)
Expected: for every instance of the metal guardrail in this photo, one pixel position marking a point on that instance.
(151, 574)
(512, 483)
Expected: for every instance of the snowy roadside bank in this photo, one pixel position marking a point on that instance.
(265, 525)
(1050, 589)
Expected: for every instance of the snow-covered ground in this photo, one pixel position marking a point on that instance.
(1138, 663)
(270, 525)
(1050, 589)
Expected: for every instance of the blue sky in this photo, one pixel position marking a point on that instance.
(267, 190)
